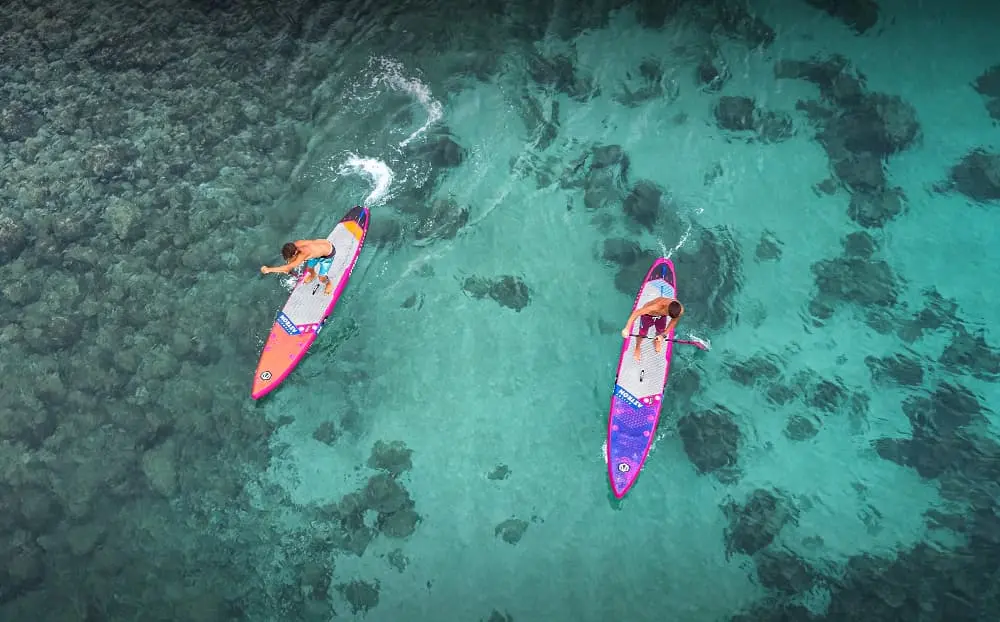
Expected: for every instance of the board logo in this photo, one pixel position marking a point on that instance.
(623, 467)
(265, 375)
(628, 397)
(287, 323)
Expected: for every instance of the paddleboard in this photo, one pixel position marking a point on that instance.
(638, 393)
(299, 322)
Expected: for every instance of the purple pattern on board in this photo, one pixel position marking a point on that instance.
(631, 433)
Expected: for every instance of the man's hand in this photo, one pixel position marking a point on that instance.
(625, 333)
(265, 270)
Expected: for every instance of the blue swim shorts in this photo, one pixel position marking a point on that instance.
(320, 264)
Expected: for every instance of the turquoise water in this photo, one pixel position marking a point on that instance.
(439, 453)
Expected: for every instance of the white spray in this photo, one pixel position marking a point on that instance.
(377, 171)
(392, 74)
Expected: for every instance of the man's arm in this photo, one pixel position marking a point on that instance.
(288, 267)
(628, 324)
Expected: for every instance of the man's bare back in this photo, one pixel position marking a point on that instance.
(314, 248)
(657, 307)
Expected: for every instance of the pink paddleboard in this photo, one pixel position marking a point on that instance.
(636, 401)
(300, 320)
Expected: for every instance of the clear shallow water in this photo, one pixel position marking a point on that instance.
(245, 510)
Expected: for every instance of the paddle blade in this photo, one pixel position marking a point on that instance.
(699, 343)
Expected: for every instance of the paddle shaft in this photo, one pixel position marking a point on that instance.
(684, 341)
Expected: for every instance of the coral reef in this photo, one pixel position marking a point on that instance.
(508, 291)
(757, 521)
(737, 113)
(511, 530)
(976, 175)
(859, 15)
(859, 130)
(712, 441)
(988, 85)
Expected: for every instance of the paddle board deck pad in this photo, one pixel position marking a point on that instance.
(638, 394)
(301, 319)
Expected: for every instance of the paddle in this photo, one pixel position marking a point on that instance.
(698, 343)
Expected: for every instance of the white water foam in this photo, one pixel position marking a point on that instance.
(393, 74)
(670, 253)
(684, 238)
(377, 171)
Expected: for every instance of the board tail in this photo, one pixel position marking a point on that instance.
(358, 214)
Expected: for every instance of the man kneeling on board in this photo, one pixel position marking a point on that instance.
(316, 254)
(654, 313)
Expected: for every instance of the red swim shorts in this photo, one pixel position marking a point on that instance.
(646, 321)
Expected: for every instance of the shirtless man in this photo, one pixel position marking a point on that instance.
(316, 254)
(654, 313)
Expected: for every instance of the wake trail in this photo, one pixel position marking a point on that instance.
(377, 171)
(684, 238)
(393, 74)
(669, 255)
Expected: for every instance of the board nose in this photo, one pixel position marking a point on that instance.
(281, 353)
(623, 473)
(621, 485)
(263, 382)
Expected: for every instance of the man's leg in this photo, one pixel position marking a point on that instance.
(643, 329)
(660, 326)
(310, 272)
(324, 270)
(637, 353)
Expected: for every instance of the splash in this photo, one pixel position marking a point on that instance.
(670, 253)
(393, 74)
(288, 281)
(684, 238)
(376, 170)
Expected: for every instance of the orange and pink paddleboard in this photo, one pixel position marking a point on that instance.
(301, 319)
